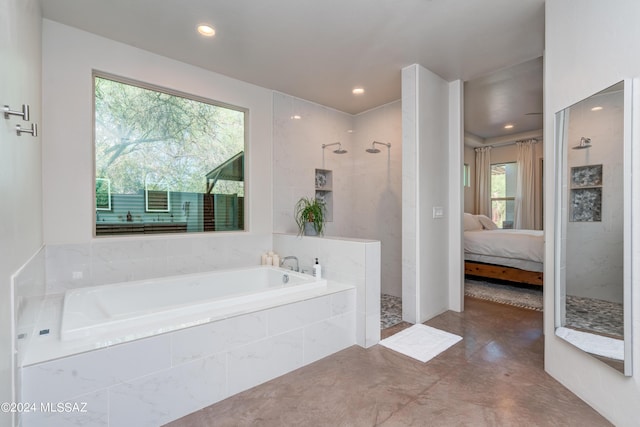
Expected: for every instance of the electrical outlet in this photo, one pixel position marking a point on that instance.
(76, 275)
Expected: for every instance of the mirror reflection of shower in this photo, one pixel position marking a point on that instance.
(373, 148)
(584, 143)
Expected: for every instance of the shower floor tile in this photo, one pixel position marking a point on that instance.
(595, 315)
(390, 310)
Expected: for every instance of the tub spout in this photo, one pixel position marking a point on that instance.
(290, 257)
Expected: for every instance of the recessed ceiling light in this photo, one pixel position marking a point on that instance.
(358, 91)
(596, 108)
(349, 130)
(206, 30)
(296, 117)
(508, 126)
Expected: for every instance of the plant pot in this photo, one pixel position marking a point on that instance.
(310, 229)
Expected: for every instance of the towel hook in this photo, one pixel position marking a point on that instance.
(24, 113)
(33, 131)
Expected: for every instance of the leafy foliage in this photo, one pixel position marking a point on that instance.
(310, 210)
(144, 136)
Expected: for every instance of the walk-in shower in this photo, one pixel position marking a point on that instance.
(373, 148)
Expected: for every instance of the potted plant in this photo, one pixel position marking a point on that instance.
(309, 214)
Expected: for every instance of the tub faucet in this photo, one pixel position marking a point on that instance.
(282, 261)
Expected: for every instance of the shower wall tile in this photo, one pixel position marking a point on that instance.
(297, 152)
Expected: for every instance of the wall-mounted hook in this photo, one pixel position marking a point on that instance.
(24, 113)
(33, 131)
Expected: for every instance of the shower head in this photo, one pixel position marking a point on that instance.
(373, 148)
(584, 143)
(339, 150)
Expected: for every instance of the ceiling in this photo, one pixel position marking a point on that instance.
(321, 50)
(512, 96)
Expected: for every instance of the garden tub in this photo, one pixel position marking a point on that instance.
(169, 303)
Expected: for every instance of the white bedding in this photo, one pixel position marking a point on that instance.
(506, 247)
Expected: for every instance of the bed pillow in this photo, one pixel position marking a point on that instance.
(486, 222)
(471, 223)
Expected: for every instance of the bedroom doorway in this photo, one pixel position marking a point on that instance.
(503, 114)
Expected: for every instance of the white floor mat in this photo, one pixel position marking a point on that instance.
(420, 342)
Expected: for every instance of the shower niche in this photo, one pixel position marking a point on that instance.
(324, 191)
(586, 194)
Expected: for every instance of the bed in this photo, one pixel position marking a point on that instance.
(493, 253)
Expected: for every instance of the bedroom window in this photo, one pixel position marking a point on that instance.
(503, 193)
(165, 162)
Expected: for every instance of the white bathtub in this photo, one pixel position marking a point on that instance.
(172, 302)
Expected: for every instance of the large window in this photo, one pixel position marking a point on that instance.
(166, 162)
(503, 193)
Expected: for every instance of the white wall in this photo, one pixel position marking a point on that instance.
(366, 187)
(376, 183)
(579, 63)
(69, 57)
(20, 162)
(594, 258)
(425, 185)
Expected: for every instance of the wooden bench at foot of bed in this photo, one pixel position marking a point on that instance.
(492, 271)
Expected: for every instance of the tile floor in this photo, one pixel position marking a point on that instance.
(493, 377)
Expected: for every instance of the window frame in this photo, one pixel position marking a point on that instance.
(178, 93)
(500, 199)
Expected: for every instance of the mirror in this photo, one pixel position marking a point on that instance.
(593, 177)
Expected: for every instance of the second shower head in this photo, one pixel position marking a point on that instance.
(373, 148)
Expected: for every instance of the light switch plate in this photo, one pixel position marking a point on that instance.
(438, 212)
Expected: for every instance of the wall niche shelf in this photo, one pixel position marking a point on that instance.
(586, 194)
(324, 191)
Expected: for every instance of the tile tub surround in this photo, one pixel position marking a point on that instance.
(112, 260)
(353, 261)
(155, 380)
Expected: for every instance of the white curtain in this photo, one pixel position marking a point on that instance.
(482, 201)
(524, 206)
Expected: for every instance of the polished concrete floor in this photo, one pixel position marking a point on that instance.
(493, 377)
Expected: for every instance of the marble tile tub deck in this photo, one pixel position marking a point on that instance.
(493, 377)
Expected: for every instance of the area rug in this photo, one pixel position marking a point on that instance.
(524, 297)
(420, 342)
